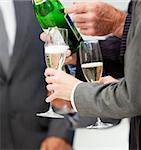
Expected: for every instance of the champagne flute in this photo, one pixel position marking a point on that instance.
(92, 67)
(55, 54)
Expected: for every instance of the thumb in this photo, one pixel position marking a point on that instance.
(43, 36)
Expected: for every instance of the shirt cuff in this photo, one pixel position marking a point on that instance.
(72, 96)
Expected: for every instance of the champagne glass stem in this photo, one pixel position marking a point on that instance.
(50, 113)
(50, 107)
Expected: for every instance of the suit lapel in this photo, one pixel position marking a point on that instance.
(22, 20)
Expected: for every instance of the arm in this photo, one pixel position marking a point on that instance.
(98, 18)
(59, 135)
(117, 99)
(61, 128)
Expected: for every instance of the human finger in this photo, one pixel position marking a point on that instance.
(88, 31)
(43, 36)
(50, 72)
(68, 53)
(49, 79)
(80, 18)
(52, 79)
(50, 98)
(71, 59)
(85, 25)
(51, 87)
(107, 79)
(68, 60)
(76, 8)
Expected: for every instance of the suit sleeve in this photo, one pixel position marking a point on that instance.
(61, 128)
(121, 99)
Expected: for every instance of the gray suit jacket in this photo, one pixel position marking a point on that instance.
(23, 89)
(123, 99)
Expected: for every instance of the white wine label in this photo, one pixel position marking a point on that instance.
(38, 2)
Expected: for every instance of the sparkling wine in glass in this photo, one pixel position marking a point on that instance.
(92, 67)
(55, 54)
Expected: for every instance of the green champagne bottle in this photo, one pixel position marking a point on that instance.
(50, 13)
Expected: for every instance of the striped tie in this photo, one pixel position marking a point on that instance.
(125, 32)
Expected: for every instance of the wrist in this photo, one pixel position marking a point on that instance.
(72, 96)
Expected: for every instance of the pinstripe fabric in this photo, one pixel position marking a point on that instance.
(125, 32)
(124, 37)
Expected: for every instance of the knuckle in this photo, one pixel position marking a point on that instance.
(75, 18)
(92, 17)
(56, 78)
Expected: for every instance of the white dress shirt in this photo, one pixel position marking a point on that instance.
(72, 96)
(8, 11)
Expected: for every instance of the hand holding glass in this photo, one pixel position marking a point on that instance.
(55, 54)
